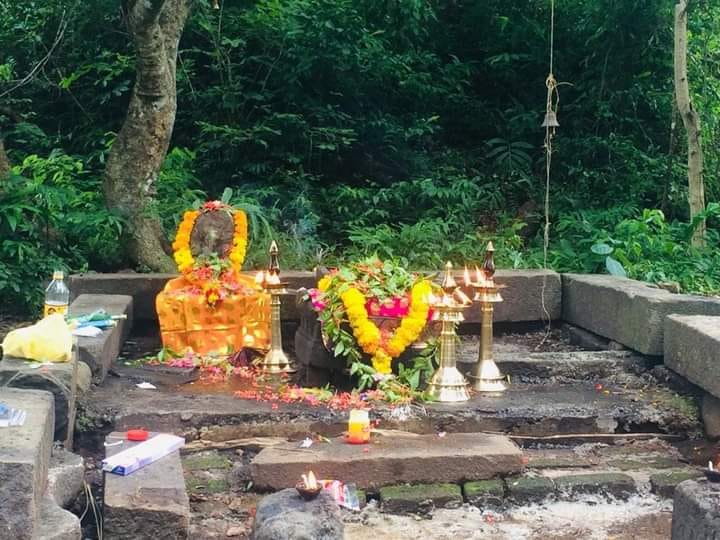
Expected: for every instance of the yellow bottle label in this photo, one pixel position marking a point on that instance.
(51, 309)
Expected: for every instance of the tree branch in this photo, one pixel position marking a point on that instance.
(44, 60)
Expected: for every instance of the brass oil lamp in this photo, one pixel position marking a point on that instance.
(447, 384)
(275, 361)
(486, 376)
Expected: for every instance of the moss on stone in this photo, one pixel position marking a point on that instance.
(557, 463)
(208, 485)
(686, 406)
(651, 462)
(485, 493)
(204, 462)
(663, 483)
(525, 489)
(420, 498)
(616, 484)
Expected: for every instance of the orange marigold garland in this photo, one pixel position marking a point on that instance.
(368, 335)
(181, 246)
(214, 276)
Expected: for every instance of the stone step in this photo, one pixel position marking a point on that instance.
(696, 510)
(627, 311)
(55, 378)
(149, 503)
(390, 460)
(559, 366)
(692, 349)
(54, 523)
(212, 412)
(66, 474)
(24, 457)
(101, 351)
(499, 493)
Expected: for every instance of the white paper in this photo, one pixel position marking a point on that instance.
(87, 331)
(146, 386)
(306, 443)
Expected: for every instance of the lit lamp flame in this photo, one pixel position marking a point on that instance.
(272, 279)
(466, 277)
(479, 277)
(260, 277)
(448, 283)
(309, 480)
(462, 297)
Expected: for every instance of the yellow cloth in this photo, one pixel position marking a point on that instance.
(187, 322)
(49, 340)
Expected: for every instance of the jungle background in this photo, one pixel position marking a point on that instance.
(406, 128)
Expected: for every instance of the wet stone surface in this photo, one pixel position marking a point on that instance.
(485, 493)
(525, 409)
(529, 489)
(664, 483)
(420, 498)
(616, 484)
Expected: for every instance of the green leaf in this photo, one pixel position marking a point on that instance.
(614, 267)
(601, 249)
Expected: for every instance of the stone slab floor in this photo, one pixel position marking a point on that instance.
(641, 517)
(644, 517)
(222, 508)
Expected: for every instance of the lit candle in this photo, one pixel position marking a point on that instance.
(358, 427)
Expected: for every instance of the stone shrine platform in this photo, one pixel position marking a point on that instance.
(394, 459)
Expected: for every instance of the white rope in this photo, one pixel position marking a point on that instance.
(550, 107)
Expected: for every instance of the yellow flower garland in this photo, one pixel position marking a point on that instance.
(181, 246)
(368, 334)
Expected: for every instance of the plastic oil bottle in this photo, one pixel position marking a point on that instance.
(57, 295)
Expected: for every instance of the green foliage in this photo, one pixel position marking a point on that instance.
(404, 387)
(641, 244)
(52, 216)
(347, 128)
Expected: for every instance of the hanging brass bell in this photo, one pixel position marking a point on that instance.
(550, 120)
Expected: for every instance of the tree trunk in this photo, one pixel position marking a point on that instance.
(691, 121)
(136, 156)
(4, 161)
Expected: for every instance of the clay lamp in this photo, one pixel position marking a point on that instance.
(308, 487)
(711, 473)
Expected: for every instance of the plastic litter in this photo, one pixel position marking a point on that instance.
(345, 495)
(48, 340)
(87, 331)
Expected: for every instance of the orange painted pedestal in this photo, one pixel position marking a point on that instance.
(187, 322)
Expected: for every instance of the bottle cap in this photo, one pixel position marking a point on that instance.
(58, 274)
(137, 435)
